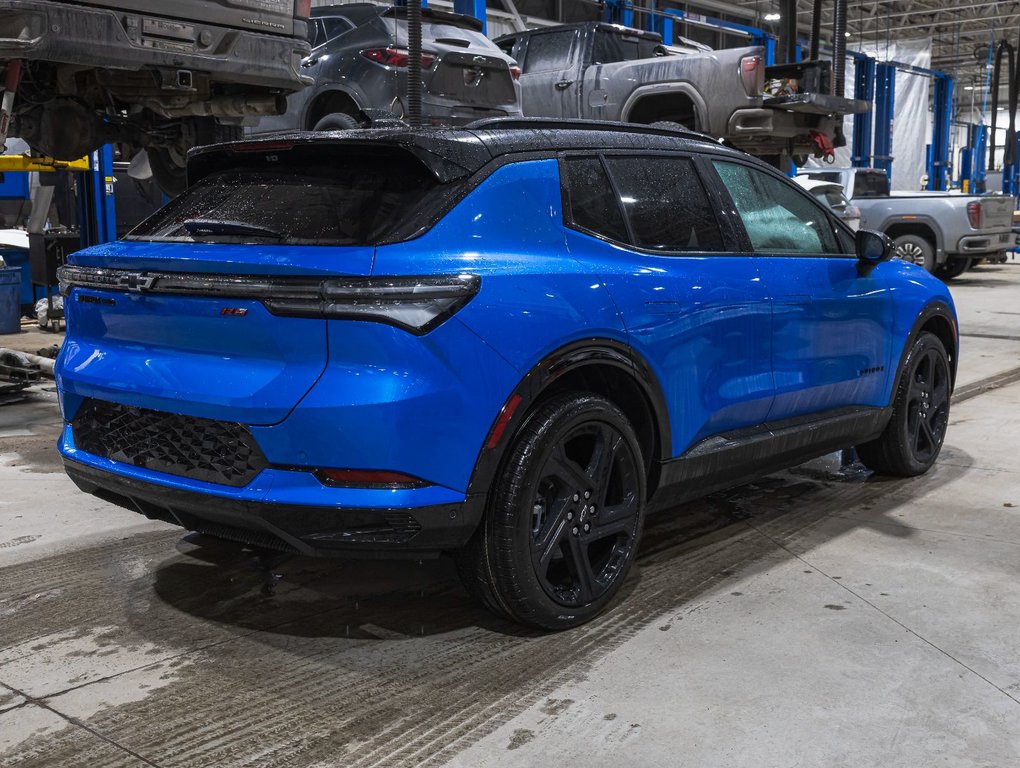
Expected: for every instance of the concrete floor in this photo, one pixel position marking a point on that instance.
(810, 619)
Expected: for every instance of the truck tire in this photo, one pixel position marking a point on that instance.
(669, 125)
(952, 269)
(336, 121)
(168, 163)
(916, 250)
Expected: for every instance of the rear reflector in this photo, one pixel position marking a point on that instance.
(368, 478)
(302, 9)
(504, 418)
(396, 57)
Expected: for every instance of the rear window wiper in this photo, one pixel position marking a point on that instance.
(229, 227)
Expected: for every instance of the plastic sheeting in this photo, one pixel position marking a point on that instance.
(911, 116)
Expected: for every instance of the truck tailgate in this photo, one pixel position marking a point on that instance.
(997, 211)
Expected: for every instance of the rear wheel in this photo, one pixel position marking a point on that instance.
(952, 269)
(913, 438)
(337, 121)
(916, 250)
(565, 519)
(168, 164)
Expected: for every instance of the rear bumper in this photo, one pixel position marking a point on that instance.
(986, 242)
(108, 39)
(318, 531)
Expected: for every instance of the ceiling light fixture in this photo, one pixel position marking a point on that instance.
(772, 17)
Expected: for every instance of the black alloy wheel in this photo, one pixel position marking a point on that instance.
(928, 405)
(917, 428)
(564, 518)
(585, 514)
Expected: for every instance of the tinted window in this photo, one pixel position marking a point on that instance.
(336, 26)
(611, 47)
(666, 203)
(593, 205)
(549, 52)
(308, 195)
(871, 184)
(777, 217)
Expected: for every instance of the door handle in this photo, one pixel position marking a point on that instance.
(310, 62)
(562, 85)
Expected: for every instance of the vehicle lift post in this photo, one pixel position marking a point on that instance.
(885, 102)
(864, 88)
(942, 126)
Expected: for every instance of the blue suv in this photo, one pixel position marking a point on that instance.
(507, 342)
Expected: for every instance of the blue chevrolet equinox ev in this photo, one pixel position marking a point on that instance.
(507, 342)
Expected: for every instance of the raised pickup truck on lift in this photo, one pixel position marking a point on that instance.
(153, 74)
(944, 232)
(604, 71)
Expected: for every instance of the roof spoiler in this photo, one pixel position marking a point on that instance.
(431, 14)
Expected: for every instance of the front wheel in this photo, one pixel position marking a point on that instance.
(565, 518)
(914, 435)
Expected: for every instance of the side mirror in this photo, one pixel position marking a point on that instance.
(872, 247)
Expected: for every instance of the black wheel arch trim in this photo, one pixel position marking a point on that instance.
(566, 359)
(936, 309)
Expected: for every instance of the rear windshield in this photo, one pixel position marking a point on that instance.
(360, 197)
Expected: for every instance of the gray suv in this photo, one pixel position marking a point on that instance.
(359, 63)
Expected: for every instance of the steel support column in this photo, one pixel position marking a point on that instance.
(97, 219)
(864, 88)
(474, 8)
(885, 103)
(942, 126)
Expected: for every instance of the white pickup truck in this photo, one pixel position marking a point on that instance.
(944, 232)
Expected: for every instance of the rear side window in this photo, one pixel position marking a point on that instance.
(593, 206)
(611, 47)
(549, 52)
(310, 195)
(666, 204)
(871, 184)
(777, 217)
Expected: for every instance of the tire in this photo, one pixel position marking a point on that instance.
(669, 125)
(336, 121)
(952, 269)
(914, 435)
(168, 170)
(916, 250)
(549, 553)
(168, 163)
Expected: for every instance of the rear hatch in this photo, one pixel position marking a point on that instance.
(467, 68)
(216, 306)
(270, 16)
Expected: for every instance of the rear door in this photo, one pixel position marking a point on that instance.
(551, 73)
(693, 308)
(831, 318)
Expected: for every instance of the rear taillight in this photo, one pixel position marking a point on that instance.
(515, 72)
(396, 57)
(974, 214)
(752, 75)
(303, 9)
(368, 478)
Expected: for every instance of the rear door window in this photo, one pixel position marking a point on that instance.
(611, 47)
(777, 217)
(592, 204)
(549, 51)
(665, 204)
(871, 184)
(310, 195)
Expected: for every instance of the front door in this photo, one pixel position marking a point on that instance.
(831, 315)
